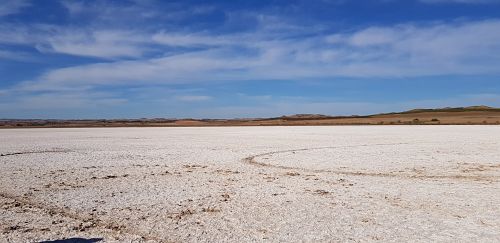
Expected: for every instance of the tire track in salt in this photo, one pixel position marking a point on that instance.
(36, 152)
(252, 161)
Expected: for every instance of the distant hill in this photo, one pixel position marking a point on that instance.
(471, 115)
(453, 109)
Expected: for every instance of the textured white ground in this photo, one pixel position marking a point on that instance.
(339, 183)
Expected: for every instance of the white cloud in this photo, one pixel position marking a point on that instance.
(74, 7)
(193, 98)
(408, 50)
(176, 69)
(8, 7)
(459, 48)
(16, 34)
(135, 54)
(128, 13)
(373, 36)
(110, 11)
(99, 43)
(16, 56)
(190, 40)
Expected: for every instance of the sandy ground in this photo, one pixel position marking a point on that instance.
(292, 184)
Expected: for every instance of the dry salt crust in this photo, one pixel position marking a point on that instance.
(339, 183)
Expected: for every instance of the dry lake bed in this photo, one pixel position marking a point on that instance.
(241, 184)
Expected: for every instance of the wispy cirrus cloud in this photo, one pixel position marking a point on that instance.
(96, 43)
(196, 44)
(192, 39)
(16, 56)
(88, 42)
(407, 50)
(101, 29)
(193, 98)
(110, 12)
(8, 7)
(117, 13)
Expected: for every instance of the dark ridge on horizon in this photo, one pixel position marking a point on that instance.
(437, 116)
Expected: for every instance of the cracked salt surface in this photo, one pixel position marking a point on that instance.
(341, 183)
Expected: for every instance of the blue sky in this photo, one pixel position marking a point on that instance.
(225, 59)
